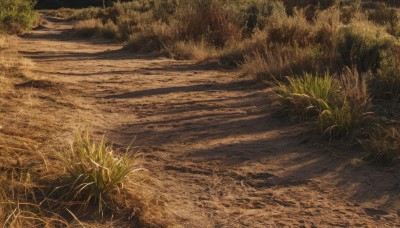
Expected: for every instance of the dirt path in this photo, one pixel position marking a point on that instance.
(222, 159)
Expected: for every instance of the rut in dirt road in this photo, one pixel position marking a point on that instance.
(210, 139)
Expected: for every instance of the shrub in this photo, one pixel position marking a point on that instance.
(362, 44)
(150, 38)
(17, 16)
(95, 169)
(297, 31)
(372, 49)
(206, 20)
(294, 30)
(382, 144)
(62, 13)
(110, 30)
(87, 14)
(385, 83)
(310, 6)
(384, 16)
(259, 13)
(163, 9)
(276, 62)
(191, 50)
(88, 27)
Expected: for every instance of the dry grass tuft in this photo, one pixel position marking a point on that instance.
(88, 27)
(96, 169)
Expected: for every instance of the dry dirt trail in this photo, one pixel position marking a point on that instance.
(221, 158)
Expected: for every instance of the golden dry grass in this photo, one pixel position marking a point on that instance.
(37, 121)
(307, 42)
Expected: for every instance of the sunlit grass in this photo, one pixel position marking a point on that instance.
(95, 169)
(339, 104)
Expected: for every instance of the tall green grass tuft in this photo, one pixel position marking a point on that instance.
(307, 96)
(339, 104)
(96, 169)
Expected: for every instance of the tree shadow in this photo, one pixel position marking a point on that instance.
(239, 131)
(231, 86)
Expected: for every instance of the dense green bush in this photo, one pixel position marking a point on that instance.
(375, 52)
(17, 15)
(362, 48)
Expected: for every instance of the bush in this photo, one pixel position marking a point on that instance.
(87, 14)
(87, 28)
(191, 50)
(153, 37)
(362, 45)
(17, 16)
(110, 30)
(382, 145)
(297, 31)
(373, 50)
(384, 16)
(294, 30)
(385, 83)
(310, 6)
(276, 62)
(206, 20)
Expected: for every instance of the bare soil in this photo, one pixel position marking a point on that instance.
(209, 136)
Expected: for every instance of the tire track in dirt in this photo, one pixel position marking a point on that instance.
(210, 139)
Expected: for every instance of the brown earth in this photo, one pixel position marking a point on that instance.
(221, 158)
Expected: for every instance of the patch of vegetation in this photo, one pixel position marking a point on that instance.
(339, 105)
(17, 16)
(95, 170)
(287, 44)
(38, 187)
(383, 145)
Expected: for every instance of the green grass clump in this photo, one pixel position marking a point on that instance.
(362, 48)
(341, 120)
(307, 96)
(371, 49)
(17, 16)
(96, 169)
(339, 105)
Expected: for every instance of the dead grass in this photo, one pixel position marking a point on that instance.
(88, 27)
(96, 169)
(34, 178)
(309, 47)
(382, 145)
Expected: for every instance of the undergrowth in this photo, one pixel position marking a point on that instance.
(17, 16)
(43, 184)
(299, 47)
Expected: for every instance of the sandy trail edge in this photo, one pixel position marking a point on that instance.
(221, 158)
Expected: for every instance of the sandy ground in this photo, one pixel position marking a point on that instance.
(210, 139)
